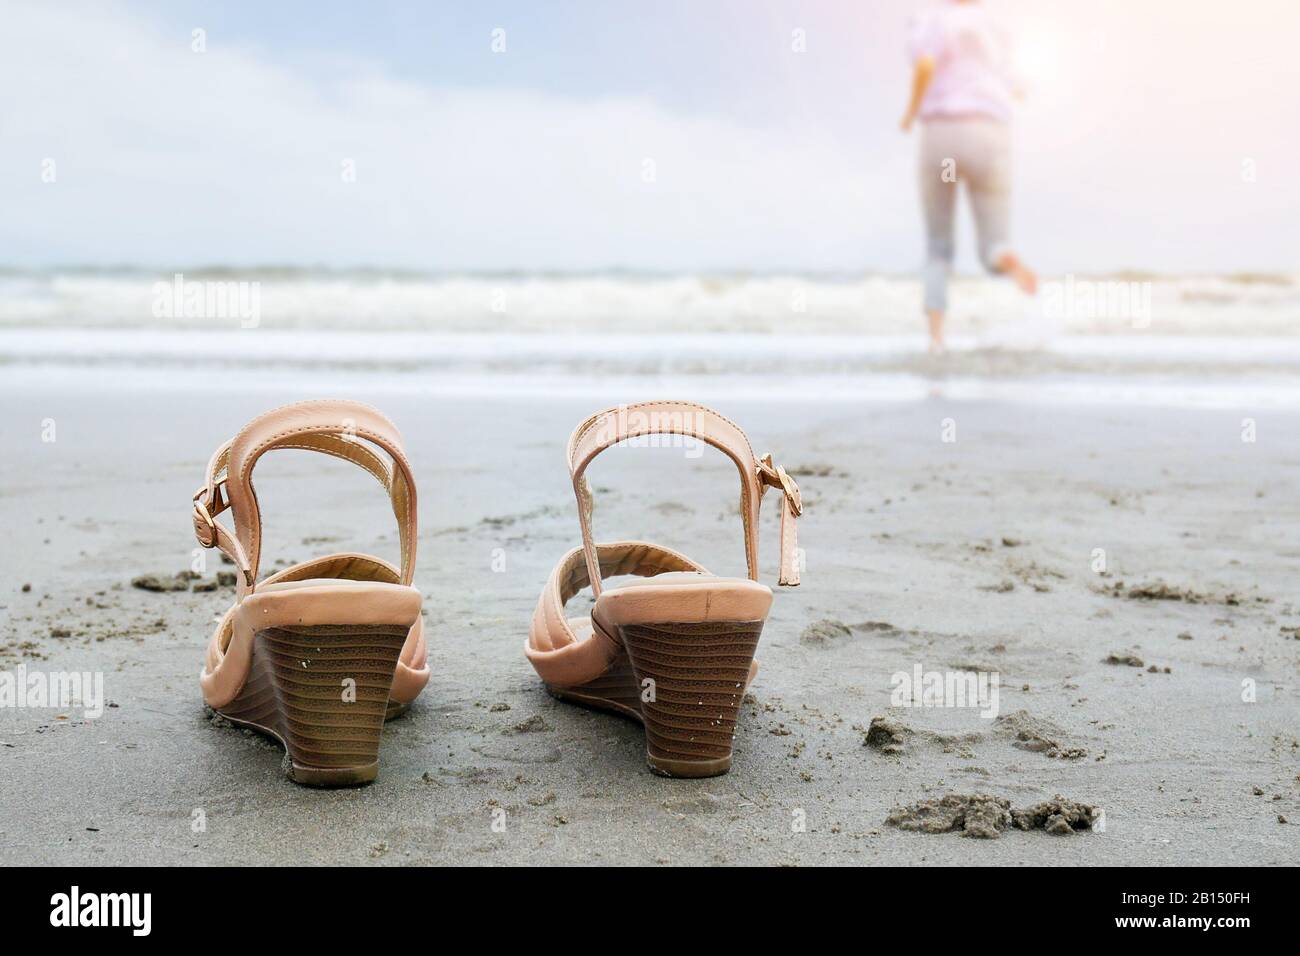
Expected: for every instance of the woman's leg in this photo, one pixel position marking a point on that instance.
(988, 183)
(938, 200)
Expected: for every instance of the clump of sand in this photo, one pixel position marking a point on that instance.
(533, 725)
(1163, 591)
(975, 815)
(1039, 736)
(1125, 658)
(824, 632)
(1058, 816)
(891, 736)
(164, 582)
(887, 735)
(827, 631)
(182, 581)
(985, 817)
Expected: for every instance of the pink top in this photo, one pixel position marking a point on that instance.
(972, 58)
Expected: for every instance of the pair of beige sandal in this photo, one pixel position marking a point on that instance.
(320, 654)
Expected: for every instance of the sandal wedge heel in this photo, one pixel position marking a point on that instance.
(321, 653)
(674, 647)
(323, 690)
(693, 678)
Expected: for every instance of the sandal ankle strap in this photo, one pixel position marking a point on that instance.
(622, 422)
(331, 427)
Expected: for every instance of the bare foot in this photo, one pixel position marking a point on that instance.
(934, 318)
(1021, 274)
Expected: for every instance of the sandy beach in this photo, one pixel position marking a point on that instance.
(1008, 288)
(1122, 689)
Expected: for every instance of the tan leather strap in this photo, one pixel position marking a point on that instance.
(551, 630)
(332, 427)
(614, 425)
(774, 476)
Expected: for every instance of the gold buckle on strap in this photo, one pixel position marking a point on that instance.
(205, 528)
(774, 476)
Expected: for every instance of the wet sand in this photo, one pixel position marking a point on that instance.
(977, 554)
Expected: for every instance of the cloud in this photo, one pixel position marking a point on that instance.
(1154, 138)
(164, 155)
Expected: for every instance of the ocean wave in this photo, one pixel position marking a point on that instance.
(378, 301)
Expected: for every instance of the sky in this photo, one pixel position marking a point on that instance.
(668, 137)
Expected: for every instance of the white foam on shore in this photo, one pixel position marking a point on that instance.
(872, 305)
(229, 344)
(1197, 374)
(1213, 342)
(613, 389)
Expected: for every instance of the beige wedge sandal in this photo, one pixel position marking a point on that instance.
(321, 653)
(676, 651)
